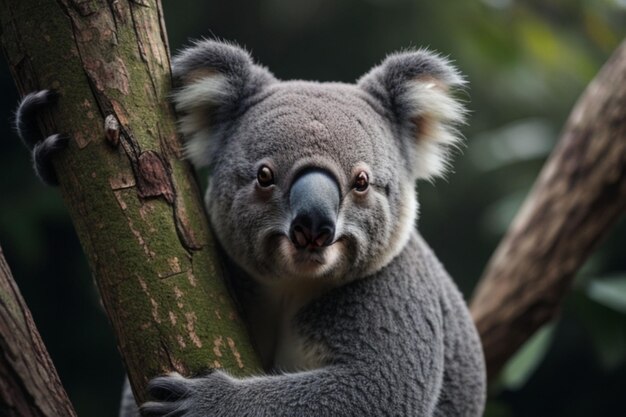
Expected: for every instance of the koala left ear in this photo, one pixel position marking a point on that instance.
(214, 82)
(414, 89)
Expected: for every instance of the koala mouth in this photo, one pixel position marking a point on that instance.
(311, 254)
(310, 260)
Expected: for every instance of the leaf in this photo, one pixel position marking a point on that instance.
(495, 408)
(521, 366)
(610, 292)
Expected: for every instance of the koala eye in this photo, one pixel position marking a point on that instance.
(265, 176)
(361, 182)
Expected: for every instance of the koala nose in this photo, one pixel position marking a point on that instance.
(314, 200)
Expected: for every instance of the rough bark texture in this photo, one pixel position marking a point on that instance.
(579, 195)
(133, 201)
(29, 384)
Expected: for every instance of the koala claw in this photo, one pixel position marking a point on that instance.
(176, 396)
(161, 409)
(42, 157)
(169, 388)
(26, 115)
(170, 394)
(43, 149)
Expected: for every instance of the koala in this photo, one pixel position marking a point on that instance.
(312, 199)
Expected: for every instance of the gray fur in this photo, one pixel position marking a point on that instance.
(42, 149)
(27, 112)
(377, 328)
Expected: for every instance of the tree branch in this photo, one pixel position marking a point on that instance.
(135, 206)
(579, 195)
(29, 384)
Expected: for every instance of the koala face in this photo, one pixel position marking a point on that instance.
(297, 129)
(314, 180)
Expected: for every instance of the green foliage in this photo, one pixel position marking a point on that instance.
(610, 292)
(522, 365)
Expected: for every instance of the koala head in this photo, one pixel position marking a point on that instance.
(314, 180)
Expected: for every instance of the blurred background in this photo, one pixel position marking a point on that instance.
(526, 62)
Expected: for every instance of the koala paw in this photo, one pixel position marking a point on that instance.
(169, 394)
(42, 149)
(176, 396)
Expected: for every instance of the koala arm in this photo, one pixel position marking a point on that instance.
(338, 390)
(352, 389)
(384, 343)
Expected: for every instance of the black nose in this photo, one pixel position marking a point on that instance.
(304, 232)
(314, 200)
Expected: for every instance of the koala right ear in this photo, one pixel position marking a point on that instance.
(414, 87)
(214, 80)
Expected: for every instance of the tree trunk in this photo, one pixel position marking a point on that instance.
(29, 384)
(579, 195)
(132, 199)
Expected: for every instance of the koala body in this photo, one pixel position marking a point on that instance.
(312, 199)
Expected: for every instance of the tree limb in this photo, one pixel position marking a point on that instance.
(579, 195)
(29, 384)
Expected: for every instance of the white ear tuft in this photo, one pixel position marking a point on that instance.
(435, 115)
(195, 102)
(201, 93)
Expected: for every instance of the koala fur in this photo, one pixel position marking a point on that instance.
(367, 323)
(312, 199)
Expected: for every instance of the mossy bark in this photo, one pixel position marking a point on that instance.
(133, 201)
